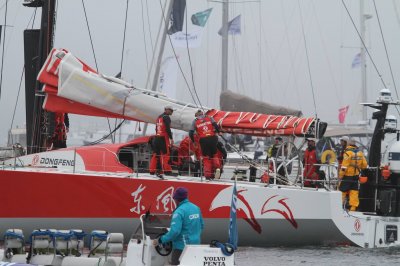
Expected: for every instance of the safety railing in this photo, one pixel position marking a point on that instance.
(134, 162)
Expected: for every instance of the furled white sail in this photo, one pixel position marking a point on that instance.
(70, 81)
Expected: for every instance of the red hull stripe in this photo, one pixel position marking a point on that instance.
(56, 195)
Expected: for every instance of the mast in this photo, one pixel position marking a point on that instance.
(363, 18)
(37, 45)
(162, 47)
(160, 53)
(225, 21)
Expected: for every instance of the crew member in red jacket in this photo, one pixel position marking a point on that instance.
(59, 138)
(310, 172)
(207, 130)
(186, 150)
(161, 143)
(221, 154)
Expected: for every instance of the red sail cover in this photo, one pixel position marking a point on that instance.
(231, 122)
(49, 77)
(261, 124)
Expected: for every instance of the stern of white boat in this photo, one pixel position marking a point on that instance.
(367, 229)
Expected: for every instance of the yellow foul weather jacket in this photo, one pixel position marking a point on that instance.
(353, 162)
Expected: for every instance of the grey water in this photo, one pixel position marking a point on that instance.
(346, 255)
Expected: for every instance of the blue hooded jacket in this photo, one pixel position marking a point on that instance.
(186, 226)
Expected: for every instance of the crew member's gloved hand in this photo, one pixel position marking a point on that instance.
(156, 242)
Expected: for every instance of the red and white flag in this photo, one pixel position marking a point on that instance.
(342, 114)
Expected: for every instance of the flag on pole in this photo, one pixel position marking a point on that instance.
(168, 76)
(234, 26)
(233, 232)
(192, 37)
(356, 61)
(177, 16)
(200, 18)
(342, 114)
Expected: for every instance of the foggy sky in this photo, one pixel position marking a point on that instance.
(267, 61)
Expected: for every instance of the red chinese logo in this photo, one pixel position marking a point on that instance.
(357, 225)
(165, 200)
(137, 200)
(35, 160)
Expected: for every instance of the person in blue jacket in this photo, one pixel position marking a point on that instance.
(186, 225)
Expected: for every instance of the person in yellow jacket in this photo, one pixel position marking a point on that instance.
(353, 162)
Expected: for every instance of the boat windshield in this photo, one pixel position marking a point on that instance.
(152, 225)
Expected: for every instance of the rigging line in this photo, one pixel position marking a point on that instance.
(154, 50)
(308, 59)
(123, 41)
(236, 68)
(22, 74)
(396, 11)
(325, 51)
(16, 101)
(4, 43)
(148, 24)
(113, 137)
(293, 55)
(38, 114)
(238, 65)
(106, 136)
(207, 57)
(55, 23)
(245, 53)
(90, 35)
(33, 17)
(190, 62)
(342, 98)
(364, 45)
(94, 54)
(144, 38)
(260, 50)
(109, 125)
(236, 2)
(248, 47)
(176, 58)
(386, 51)
(276, 57)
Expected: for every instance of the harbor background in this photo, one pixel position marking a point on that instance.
(267, 61)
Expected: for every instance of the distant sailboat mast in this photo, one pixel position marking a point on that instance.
(363, 61)
(224, 32)
(160, 53)
(162, 47)
(364, 94)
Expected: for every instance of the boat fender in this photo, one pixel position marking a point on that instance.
(385, 172)
(362, 179)
(226, 248)
(328, 154)
(265, 178)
